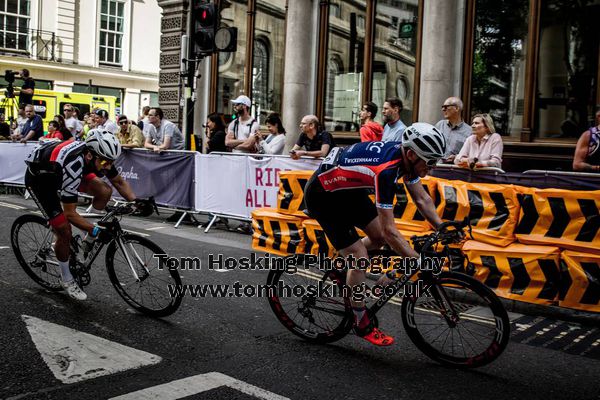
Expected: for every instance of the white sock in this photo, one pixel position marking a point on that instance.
(65, 273)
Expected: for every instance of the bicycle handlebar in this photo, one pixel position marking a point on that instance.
(444, 235)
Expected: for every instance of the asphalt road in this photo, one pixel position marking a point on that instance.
(234, 348)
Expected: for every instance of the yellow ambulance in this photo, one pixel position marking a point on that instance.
(48, 103)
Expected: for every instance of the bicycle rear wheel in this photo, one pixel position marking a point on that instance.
(316, 317)
(463, 324)
(135, 275)
(31, 240)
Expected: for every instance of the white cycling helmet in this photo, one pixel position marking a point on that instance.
(426, 141)
(103, 143)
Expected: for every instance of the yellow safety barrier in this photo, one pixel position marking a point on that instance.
(565, 218)
(406, 213)
(580, 281)
(519, 272)
(276, 233)
(318, 243)
(493, 209)
(290, 199)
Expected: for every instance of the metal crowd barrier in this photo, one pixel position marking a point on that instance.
(484, 169)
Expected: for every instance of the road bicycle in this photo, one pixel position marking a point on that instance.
(459, 322)
(130, 263)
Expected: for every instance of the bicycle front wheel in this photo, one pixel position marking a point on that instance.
(462, 324)
(31, 240)
(310, 303)
(136, 276)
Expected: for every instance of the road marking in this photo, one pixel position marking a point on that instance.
(197, 384)
(155, 228)
(13, 206)
(4, 247)
(74, 356)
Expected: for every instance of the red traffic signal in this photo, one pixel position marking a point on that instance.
(205, 24)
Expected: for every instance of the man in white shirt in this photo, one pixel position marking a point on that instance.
(104, 123)
(160, 133)
(71, 122)
(242, 127)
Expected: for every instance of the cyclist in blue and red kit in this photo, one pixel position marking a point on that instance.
(337, 196)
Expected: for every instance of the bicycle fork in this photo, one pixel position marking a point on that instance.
(137, 257)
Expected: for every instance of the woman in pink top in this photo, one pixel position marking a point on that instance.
(484, 147)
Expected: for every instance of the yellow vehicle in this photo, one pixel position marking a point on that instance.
(48, 103)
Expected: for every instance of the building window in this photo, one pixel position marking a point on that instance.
(14, 24)
(111, 31)
(260, 77)
(567, 73)
(395, 54)
(499, 55)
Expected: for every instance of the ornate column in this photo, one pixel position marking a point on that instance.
(173, 26)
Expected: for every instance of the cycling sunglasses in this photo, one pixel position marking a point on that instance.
(430, 163)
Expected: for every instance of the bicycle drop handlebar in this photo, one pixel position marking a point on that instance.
(447, 233)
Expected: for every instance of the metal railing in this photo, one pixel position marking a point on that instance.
(484, 169)
(561, 173)
(33, 43)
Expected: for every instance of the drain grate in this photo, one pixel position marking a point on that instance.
(568, 337)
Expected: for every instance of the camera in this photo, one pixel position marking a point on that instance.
(9, 76)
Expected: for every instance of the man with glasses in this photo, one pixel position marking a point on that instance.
(71, 122)
(161, 134)
(129, 134)
(454, 129)
(337, 196)
(56, 172)
(242, 127)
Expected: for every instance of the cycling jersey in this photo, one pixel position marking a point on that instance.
(376, 165)
(64, 164)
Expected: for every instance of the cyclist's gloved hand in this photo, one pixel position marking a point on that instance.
(143, 208)
(101, 234)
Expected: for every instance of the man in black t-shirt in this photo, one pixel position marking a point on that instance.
(27, 89)
(312, 142)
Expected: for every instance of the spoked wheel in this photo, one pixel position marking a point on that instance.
(31, 240)
(463, 324)
(319, 316)
(136, 276)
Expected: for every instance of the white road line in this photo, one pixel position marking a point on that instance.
(197, 384)
(155, 228)
(13, 206)
(74, 356)
(4, 247)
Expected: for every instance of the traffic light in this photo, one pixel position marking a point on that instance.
(205, 23)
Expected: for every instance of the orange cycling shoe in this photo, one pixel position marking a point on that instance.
(378, 338)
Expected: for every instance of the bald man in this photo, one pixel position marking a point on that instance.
(454, 129)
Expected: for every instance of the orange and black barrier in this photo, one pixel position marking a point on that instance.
(519, 272)
(564, 218)
(276, 233)
(316, 242)
(493, 209)
(290, 199)
(406, 213)
(580, 281)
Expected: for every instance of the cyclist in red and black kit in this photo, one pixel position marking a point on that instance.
(337, 196)
(56, 172)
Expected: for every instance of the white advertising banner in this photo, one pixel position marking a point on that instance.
(236, 185)
(12, 161)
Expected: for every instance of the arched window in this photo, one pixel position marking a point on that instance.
(261, 95)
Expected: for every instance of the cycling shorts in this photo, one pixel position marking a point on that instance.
(44, 188)
(339, 212)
